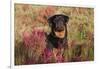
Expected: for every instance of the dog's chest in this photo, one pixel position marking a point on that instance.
(54, 42)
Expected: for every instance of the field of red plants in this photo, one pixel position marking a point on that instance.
(30, 26)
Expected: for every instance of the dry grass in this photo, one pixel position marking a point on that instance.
(80, 30)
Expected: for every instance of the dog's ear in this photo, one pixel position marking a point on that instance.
(66, 18)
(50, 20)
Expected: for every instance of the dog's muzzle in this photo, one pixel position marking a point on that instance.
(59, 29)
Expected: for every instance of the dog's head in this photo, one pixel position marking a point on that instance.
(58, 24)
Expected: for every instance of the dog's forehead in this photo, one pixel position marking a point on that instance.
(57, 19)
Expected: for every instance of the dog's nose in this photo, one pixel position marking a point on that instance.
(59, 29)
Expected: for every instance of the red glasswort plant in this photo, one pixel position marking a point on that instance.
(35, 43)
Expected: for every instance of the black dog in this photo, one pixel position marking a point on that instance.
(58, 35)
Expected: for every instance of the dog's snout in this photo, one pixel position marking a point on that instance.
(59, 28)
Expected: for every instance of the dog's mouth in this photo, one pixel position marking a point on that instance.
(60, 34)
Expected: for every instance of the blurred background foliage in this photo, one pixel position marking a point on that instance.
(28, 17)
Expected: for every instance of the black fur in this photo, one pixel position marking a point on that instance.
(57, 23)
